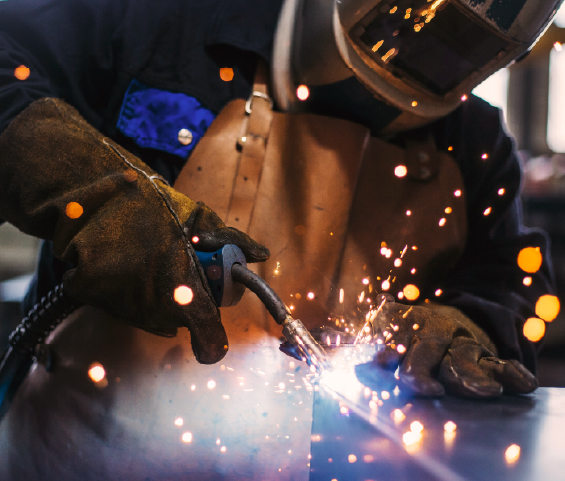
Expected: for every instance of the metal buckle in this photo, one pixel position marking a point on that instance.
(260, 95)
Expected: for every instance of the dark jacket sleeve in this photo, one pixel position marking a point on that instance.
(487, 284)
(69, 47)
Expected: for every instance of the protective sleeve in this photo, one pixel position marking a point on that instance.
(487, 284)
(70, 48)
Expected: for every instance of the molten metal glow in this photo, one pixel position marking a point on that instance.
(411, 292)
(547, 307)
(302, 92)
(74, 210)
(530, 259)
(96, 372)
(21, 72)
(183, 295)
(512, 453)
(400, 170)
(534, 329)
(186, 437)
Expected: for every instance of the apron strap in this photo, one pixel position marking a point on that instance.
(253, 144)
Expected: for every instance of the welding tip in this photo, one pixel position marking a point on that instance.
(296, 333)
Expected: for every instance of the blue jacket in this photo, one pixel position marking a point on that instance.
(140, 70)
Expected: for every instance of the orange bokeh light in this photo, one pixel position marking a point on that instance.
(302, 92)
(547, 307)
(183, 295)
(534, 329)
(530, 259)
(74, 210)
(226, 74)
(96, 372)
(411, 292)
(22, 72)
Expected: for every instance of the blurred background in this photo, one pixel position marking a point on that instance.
(531, 95)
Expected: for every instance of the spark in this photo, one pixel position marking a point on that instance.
(211, 384)
(343, 410)
(400, 295)
(195, 239)
(385, 395)
(449, 427)
(464, 98)
(96, 372)
(413, 271)
(415, 327)
(557, 46)
(385, 286)
(74, 210)
(352, 458)
(393, 10)
(302, 92)
(530, 259)
(534, 329)
(398, 416)
(384, 250)
(484, 156)
(341, 296)
(179, 422)
(416, 427)
(438, 292)
(408, 212)
(448, 210)
(281, 385)
(310, 295)
(487, 211)
(223, 449)
(457, 193)
(361, 296)
(400, 349)
(187, 437)
(450, 148)
(389, 54)
(512, 453)
(547, 307)
(400, 171)
(397, 262)
(442, 221)
(193, 387)
(218, 441)
(377, 45)
(414, 103)
(277, 268)
(527, 281)
(337, 340)
(226, 74)
(409, 438)
(411, 292)
(22, 72)
(183, 295)
(501, 191)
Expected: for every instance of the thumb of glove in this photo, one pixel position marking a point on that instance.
(213, 234)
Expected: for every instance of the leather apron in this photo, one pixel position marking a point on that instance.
(334, 205)
(323, 196)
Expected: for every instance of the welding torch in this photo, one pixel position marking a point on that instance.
(227, 275)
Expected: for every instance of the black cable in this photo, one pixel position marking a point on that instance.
(262, 290)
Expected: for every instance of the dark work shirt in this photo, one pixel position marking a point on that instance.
(90, 53)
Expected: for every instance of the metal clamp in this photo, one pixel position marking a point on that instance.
(260, 95)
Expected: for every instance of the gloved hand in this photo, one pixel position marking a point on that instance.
(438, 353)
(130, 236)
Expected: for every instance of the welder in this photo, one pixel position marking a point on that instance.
(342, 136)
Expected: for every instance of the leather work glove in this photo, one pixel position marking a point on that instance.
(441, 351)
(130, 236)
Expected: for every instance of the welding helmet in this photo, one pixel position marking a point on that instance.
(419, 58)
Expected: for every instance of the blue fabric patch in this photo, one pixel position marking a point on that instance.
(153, 118)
